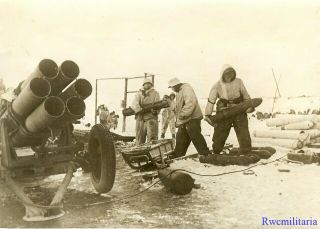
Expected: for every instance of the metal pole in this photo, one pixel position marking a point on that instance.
(277, 90)
(152, 76)
(125, 93)
(96, 103)
(275, 80)
(125, 103)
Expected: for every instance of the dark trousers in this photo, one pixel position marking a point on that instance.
(222, 130)
(187, 133)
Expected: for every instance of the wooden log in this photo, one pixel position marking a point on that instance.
(314, 146)
(280, 134)
(308, 149)
(282, 120)
(286, 143)
(178, 182)
(315, 140)
(305, 125)
(310, 117)
(314, 133)
(316, 126)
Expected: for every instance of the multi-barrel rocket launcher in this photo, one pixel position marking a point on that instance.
(41, 118)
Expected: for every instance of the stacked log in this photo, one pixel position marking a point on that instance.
(296, 122)
(299, 133)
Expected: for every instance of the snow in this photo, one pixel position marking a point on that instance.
(230, 201)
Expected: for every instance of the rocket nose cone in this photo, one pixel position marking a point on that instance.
(182, 183)
(256, 101)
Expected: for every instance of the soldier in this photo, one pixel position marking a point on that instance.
(2, 87)
(188, 121)
(2, 91)
(168, 116)
(230, 91)
(104, 115)
(146, 123)
(113, 120)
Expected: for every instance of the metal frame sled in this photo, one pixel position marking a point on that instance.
(148, 155)
(158, 155)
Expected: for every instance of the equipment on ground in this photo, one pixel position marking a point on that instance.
(305, 156)
(158, 155)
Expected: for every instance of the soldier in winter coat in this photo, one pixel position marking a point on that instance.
(146, 123)
(229, 91)
(188, 119)
(169, 117)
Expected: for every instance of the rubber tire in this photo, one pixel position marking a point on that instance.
(101, 137)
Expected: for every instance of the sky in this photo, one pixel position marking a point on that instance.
(190, 39)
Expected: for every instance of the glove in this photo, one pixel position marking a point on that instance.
(250, 110)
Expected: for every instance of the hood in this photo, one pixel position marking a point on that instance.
(147, 80)
(224, 69)
(146, 92)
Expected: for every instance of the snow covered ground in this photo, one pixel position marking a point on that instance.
(229, 201)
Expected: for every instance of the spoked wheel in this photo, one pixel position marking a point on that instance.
(102, 158)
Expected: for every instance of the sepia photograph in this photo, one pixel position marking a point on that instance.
(160, 114)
